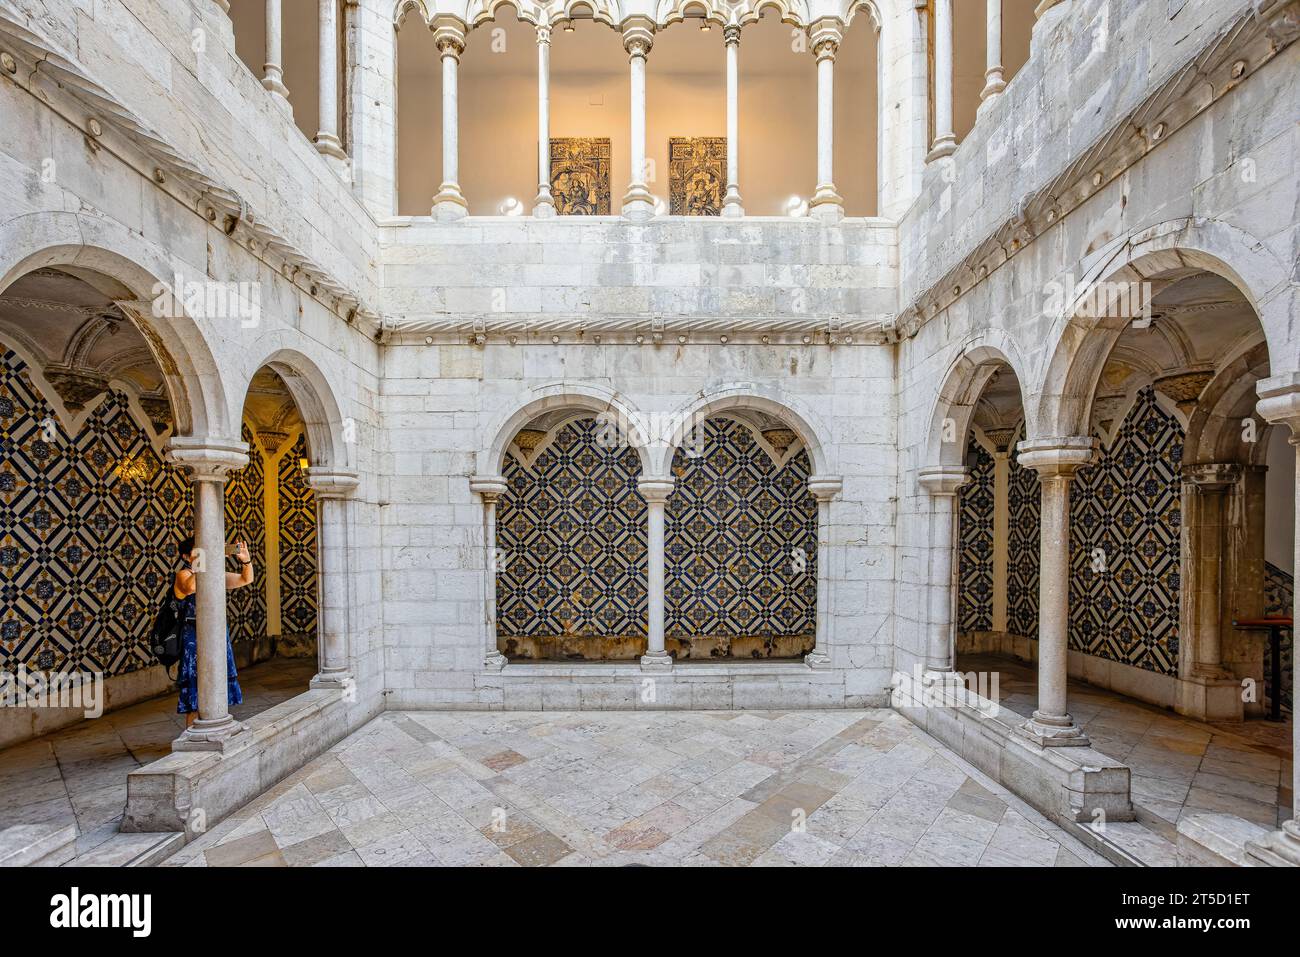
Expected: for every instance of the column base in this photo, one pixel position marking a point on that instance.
(1279, 849)
(994, 84)
(209, 735)
(332, 679)
(826, 205)
(1212, 695)
(944, 146)
(659, 661)
(274, 84)
(544, 210)
(1053, 731)
(327, 144)
(449, 205)
(817, 660)
(495, 661)
(731, 206)
(638, 204)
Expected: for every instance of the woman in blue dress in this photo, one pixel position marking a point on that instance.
(188, 673)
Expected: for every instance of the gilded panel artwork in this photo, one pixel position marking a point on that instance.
(580, 175)
(697, 177)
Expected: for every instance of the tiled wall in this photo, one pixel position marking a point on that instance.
(1022, 550)
(246, 520)
(741, 548)
(1279, 601)
(1125, 518)
(298, 593)
(975, 546)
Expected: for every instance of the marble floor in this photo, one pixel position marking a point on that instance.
(78, 775)
(704, 788)
(1179, 765)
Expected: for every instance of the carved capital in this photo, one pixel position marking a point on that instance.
(1212, 476)
(825, 36)
(655, 489)
(638, 36)
(1279, 401)
(943, 480)
(488, 487)
(332, 483)
(448, 36)
(824, 488)
(1057, 456)
(731, 34)
(207, 459)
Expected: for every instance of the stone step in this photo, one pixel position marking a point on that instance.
(140, 849)
(37, 845)
(1127, 843)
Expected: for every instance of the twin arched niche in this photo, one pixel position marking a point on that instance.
(740, 545)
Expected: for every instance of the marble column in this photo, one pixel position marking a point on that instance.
(1056, 460)
(273, 69)
(638, 38)
(449, 37)
(943, 483)
(731, 206)
(824, 37)
(333, 490)
(544, 204)
(327, 139)
(993, 80)
(1206, 689)
(209, 463)
(655, 491)
(1280, 404)
(824, 488)
(945, 140)
(489, 489)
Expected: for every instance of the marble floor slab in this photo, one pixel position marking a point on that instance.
(702, 788)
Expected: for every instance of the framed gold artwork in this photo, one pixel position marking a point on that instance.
(697, 175)
(580, 175)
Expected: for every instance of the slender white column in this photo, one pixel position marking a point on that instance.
(655, 491)
(825, 36)
(449, 37)
(209, 463)
(993, 81)
(1056, 461)
(824, 488)
(945, 141)
(1280, 403)
(327, 139)
(544, 204)
(490, 488)
(731, 206)
(638, 37)
(942, 482)
(273, 70)
(333, 548)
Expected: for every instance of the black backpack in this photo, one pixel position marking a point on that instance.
(165, 639)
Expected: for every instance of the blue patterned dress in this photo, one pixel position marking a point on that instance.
(187, 676)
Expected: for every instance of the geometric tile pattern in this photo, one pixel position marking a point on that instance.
(571, 540)
(1023, 500)
(975, 509)
(246, 520)
(740, 540)
(1125, 518)
(1279, 601)
(297, 545)
(88, 527)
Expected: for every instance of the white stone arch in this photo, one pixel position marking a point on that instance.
(854, 7)
(328, 432)
(485, 11)
(564, 396)
(772, 401)
(402, 7)
(1078, 346)
(976, 361)
(178, 344)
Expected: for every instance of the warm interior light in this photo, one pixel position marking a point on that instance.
(303, 464)
(568, 26)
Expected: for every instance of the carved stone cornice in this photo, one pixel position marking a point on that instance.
(55, 77)
(1260, 32)
(77, 387)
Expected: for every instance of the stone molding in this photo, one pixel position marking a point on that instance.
(943, 479)
(331, 483)
(207, 459)
(654, 489)
(1056, 456)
